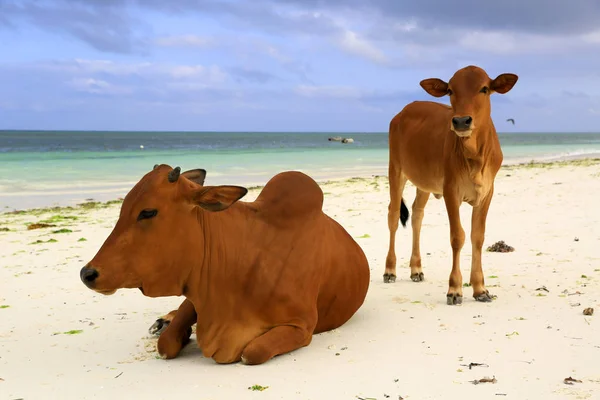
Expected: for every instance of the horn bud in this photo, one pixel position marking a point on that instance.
(174, 174)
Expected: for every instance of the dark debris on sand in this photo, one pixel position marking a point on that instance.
(500, 247)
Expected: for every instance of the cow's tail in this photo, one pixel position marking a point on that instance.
(403, 213)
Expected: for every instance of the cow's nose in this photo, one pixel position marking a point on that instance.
(88, 275)
(462, 123)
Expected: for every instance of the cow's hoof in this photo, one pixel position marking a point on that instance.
(453, 299)
(418, 277)
(485, 297)
(169, 345)
(389, 278)
(159, 326)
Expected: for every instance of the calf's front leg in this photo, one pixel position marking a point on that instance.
(457, 240)
(279, 340)
(478, 219)
(178, 332)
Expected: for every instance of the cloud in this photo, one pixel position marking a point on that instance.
(343, 92)
(210, 74)
(97, 86)
(105, 26)
(533, 16)
(324, 60)
(185, 41)
(352, 43)
(244, 74)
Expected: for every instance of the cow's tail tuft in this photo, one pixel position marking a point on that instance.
(403, 213)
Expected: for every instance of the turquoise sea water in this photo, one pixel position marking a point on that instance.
(63, 168)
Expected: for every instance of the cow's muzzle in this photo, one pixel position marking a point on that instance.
(88, 276)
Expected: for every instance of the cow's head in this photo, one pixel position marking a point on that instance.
(469, 90)
(158, 227)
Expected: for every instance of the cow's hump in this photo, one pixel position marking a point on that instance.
(290, 195)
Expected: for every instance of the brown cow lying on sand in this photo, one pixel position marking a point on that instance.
(259, 278)
(452, 152)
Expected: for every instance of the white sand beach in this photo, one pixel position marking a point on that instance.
(60, 340)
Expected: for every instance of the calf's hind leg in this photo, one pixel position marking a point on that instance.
(396, 209)
(178, 332)
(279, 340)
(418, 211)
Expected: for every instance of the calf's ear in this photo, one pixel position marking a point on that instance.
(195, 175)
(435, 87)
(503, 83)
(218, 198)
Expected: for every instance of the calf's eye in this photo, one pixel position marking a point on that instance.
(145, 214)
(484, 89)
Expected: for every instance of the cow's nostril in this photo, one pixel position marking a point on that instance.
(88, 275)
(468, 121)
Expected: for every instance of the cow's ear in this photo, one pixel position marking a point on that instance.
(195, 175)
(503, 83)
(219, 198)
(435, 87)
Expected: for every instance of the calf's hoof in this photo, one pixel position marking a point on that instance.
(418, 277)
(159, 326)
(484, 297)
(453, 299)
(389, 278)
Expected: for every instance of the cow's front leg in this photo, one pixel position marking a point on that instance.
(478, 218)
(276, 341)
(161, 324)
(178, 332)
(457, 240)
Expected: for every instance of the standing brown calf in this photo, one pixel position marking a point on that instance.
(452, 152)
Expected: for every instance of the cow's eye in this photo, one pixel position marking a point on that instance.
(484, 89)
(145, 214)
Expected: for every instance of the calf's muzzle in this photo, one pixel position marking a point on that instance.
(462, 123)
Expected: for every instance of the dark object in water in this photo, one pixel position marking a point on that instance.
(500, 247)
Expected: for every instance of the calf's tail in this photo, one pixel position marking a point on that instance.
(403, 213)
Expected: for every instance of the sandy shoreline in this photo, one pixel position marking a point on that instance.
(59, 340)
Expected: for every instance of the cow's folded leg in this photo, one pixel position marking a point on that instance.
(161, 324)
(178, 332)
(278, 340)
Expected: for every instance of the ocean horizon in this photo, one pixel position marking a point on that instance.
(60, 168)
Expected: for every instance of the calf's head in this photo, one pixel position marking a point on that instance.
(469, 90)
(158, 234)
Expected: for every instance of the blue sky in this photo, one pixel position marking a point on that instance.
(289, 65)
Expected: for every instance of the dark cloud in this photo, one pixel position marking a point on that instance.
(104, 25)
(543, 16)
(108, 25)
(242, 74)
